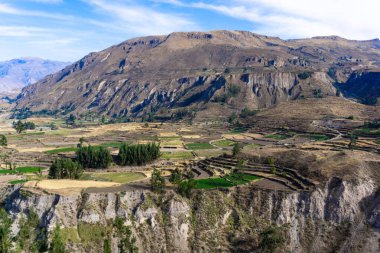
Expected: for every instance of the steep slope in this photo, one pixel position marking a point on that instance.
(143, 75)
(18, 73)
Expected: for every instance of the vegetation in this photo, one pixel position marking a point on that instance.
(65, 168)
(20, 126)
(127, 243)
(94, 157)
(318, 137)
(138, 154)
(317, 93)
(271, 239)
(5, 232)
(3, 140)
(177, 155)
(185, 183)
(353, 140)
(70, 121)
(225, 182)
(182, 114)
(20, 181)
(246, 112)
(157, 181)
(236, 149)
(276, 136)
(61, 150)
(223, 143)
(304, 75)
(199, 145)
(57, 244)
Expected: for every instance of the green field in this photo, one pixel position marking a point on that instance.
(378, 142)
(238, 130)
(29, 169)
(199, 145)
(17, 181)
(117, 177)
(251, 146)
(61, 150)
(317, 137)
(2, 172)
(22, 170)
(177, 155)
(226, 181)
(223, 143)
(367, 132)
(276, 136)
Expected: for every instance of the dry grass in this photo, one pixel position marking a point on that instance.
(67, 186)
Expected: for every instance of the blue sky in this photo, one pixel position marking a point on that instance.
(67, 30)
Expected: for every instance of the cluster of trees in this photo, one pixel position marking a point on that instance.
(138, 154)
(30, 238)
(20, 126)
(94, 157)
(185, 182)
(65, 168)
(70, 121)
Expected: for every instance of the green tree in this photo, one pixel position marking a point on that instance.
(5, 231)
(57, 245)
(236, 149)
(176, 176)
(157, 181)
(186, 186)
(65, 168)
(3, 140)
(138, 154)
(70, 121)
(127, 242)
(19, 126)
(94, 157)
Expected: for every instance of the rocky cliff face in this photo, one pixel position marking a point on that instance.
(143, 75)
(342, 216)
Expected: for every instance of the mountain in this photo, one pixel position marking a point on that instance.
(18, 73)
(219, 70)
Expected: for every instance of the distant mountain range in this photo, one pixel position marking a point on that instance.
(18, 73)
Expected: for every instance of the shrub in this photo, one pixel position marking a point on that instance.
(65, 168)
(186, 186)
(236, 149)
(271, 238)
(317, 93)
(157, 181)
(304, 75)
(247, 112)
(3, 140)
(233, 90)
(94, 157)
(138, 154)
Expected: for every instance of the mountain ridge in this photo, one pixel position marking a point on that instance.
(143, 75)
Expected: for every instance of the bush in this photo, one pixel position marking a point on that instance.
(317, 93)
(3, 140)
(138, 154)
(157, 181)
(65, 168)
(247, 112)
(236, 149)
(233, 90)
(304, 75)
(185, 187)
(94, 157)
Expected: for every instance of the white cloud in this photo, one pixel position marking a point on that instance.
(21, 31)
(142, 20)
(301, 18)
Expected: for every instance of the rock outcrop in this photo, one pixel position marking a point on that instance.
(341, 216)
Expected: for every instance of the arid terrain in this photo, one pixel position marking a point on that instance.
(265, 145)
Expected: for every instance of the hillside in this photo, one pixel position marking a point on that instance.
(204, 70)
(18, 73)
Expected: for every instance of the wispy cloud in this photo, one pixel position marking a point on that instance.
(299, 18)
(21, 31)
(143, 20)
